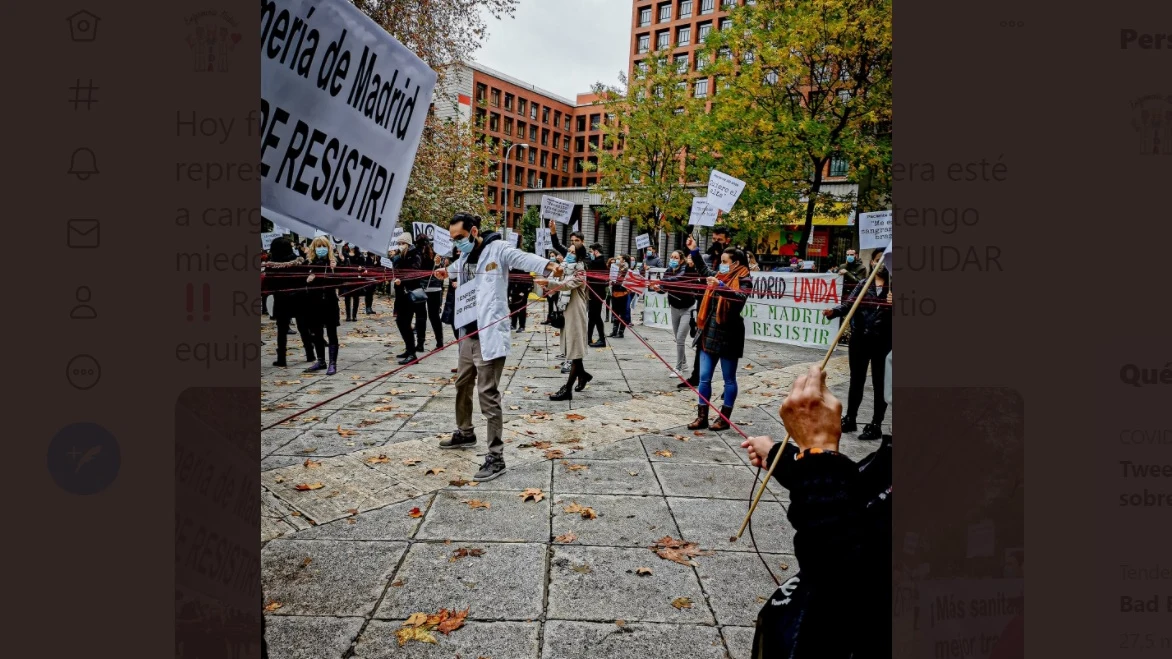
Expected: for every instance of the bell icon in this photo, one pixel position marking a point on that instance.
(82, 163)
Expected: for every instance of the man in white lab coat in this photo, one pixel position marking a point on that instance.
(482, 306)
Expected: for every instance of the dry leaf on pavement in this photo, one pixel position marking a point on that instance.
(477, 503)
(554, 454)
(643, 571)
(434, 471)
(575, 467)
(584, 511)
(682, 602)
(378, 460)
(419, 634)
(411, 462)
(346, 432)
(681, 438)
(416, 513)
(567, 538)
(463, 552)
(311, 464)
(663, 454)
(304, 487)
(678, 551)
(575, 417)
(384, 408)
(532, 493)
(541, 445)
(273, 606)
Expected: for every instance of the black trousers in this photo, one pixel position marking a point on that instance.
(411, 319)
(863, 351)
(283, 337)
(552, 302)
(352, 305)
(594, 309)
(435, 307)
(520, 312)
(305, 328)
(324, 335)
(369, 297)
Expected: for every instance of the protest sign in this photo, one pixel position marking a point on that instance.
(422, 229)
(266, 239)
(642, 241)
(281, 230)
(512, 237)
(784, 307)
(465, 305)
(441, 240)
(385, 262)
(964, 617)
(342, 110)
(874, 230)
(703, 213)
(724, 190)
(575, 227)
(807, 265)
(543, 244)
(553, 208)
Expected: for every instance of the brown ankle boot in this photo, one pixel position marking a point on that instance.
(701, 421)
(722, 422)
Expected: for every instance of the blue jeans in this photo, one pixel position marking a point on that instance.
(728, 368)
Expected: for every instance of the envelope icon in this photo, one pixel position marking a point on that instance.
(83, 233)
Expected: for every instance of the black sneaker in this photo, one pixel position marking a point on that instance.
(684, 385)
(459, 440)
(871, 431)
(848, 424)
(494, 465)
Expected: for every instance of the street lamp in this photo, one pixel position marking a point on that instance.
(505, 185)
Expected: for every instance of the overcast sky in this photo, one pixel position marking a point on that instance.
(563, 46)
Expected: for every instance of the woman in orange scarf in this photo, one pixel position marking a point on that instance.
(720, 330)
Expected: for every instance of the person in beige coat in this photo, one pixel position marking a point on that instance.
(572, 299)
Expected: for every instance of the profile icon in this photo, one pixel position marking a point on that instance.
(83, 310)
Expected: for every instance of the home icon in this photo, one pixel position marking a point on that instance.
(83, 26)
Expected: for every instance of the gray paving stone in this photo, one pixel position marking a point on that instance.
(505, 583)
(279, 461)
(711, 522)
(708, 481)
(391, 522)
(739, 641)
(624, 449)
(607, 477)
(305, 637)
(692, 449)
(737, 584)
(271, 440)
(516, 478)
(623, 521)
(509, 519)
(495, 640)
(610, 590)
(340, 579)
(583, 640)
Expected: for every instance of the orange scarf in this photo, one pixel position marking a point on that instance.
(732, 280)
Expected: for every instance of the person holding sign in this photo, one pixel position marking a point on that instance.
(573, 286)
(870, 344)
(720, 329)
(482, 309)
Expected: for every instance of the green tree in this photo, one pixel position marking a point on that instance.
(655, 129)
(799, 83)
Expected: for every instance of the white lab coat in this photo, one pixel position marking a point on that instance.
(492, 291)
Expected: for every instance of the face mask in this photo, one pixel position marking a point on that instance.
(674, 263)
(650, 254)
(850, 258)
(571, 259)
(724, 268)
(321, 252)
(465, 245)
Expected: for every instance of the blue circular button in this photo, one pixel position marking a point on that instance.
(84, 458)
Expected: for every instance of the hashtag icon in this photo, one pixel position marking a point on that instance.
(83, 94)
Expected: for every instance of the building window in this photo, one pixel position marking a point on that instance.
(844, 96)
(645, 17)
(771, 77)
(644, 44)
(532, 133)
(662, 39)
(532, 156)
(665, 12)
(566, 125)
(544, 137)
(522, 106)
(544, 159)
(679, 110)
(533, 111)
(681, 64)
(494, 122)
(684, 36)
(724, 53)
(844, 74)
(581, 124)
(492, 195)
(545, 115)
(610, 119)
(701, 88)
(508, 125)
(728, 3)
(837, 166)
(521, 129)
(641, 68)
(749, 57)
(555, 160)
(685, 9)
(658, 91)
(594, 119)
(702, 34)
(566, 165)
(822, 73)
(495, 98)
(509, 102)
(481, 92)
(702, 63)
(707, 6)
(557, 118)
(725, 23)
(557, 141)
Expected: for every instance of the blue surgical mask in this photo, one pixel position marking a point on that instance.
(850, 258)
(464, 245)
(570, 258)
(650, 254)
(321, 252)
(724, 268)
(673, 263)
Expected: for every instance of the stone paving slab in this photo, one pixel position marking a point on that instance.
(608, 589)
(739, 641)
(623, 521)
(711, 522)
(508, 519)
(495, 640)
(607, 477)
(708, 481)
(325, 577)
(737, 583)
(515, 479)
(347, 484)
(424, 475)
(692, 449)
(580, 640)
(505, 583)
(306, 637)
(387, 523)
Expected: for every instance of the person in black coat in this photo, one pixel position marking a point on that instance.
(841, 512)
(520, 286)
(411, 315)
(869, 345)
(433, 286)
(287, 301)
(321, 301)
(596, 276)
(720, 329)
(352, 262)
(680, 281)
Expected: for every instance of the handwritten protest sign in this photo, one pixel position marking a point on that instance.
(553, 208)
(703, 213)
(784, 307)
(441, 240)
(874, 230)
(543, 244)
(724, 190)
(643, 241)
(266, 239)
(342, 110)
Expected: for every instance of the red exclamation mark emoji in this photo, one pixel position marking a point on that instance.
(207, 302)
(190, 302)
